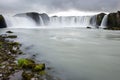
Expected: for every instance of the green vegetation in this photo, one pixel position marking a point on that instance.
(26, 63)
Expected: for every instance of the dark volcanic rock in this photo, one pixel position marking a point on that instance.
(96, 20)
(45, 18)
(34, 16)
(114, 21)
(2, 22)
(99, 18)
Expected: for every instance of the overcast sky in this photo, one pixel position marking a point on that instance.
(51, 6)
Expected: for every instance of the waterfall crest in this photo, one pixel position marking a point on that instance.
(80, 21)
(38, 20)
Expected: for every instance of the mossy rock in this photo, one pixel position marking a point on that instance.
(9, 32)
(14, 43)
(27, 76)
(26, 63)
(12, 36)
(39, 67)
(42, 73)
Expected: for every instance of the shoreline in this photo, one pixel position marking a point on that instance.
(21, 69)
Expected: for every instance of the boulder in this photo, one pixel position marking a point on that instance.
(114, 21)
(39, 67)
(27, 75)
(2, 22)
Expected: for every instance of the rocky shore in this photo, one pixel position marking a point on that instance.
(12, 68)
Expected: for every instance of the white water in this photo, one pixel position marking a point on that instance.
(41, 21)
(80, 21)
(19, 22)
(70, 21)
(74, 54)
(93, 21)
(104, 22)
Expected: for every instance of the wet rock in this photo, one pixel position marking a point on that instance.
(12, 36)
(2, 22)
(34, 16)
(39, 67)
(16, 76)
(34, 79)
(88, 27)
(9, 32)
(113, 21)
(27, 75)
(99, 18)
(45, 18)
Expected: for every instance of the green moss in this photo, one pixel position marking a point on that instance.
(39, 67)
(26, 63)
(0, 65)
(14, 43)
(42, 73)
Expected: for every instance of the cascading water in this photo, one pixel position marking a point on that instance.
(41, 21)
(104, 22)
(63, 21)
(19, 22)
(80, 21)
(93, 21)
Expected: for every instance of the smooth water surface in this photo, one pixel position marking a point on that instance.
(74, 53)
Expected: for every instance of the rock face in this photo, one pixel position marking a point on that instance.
(113, 21)
(35, 17)
(2, 22)
(45, 18)
(99, 18)
(39, 19)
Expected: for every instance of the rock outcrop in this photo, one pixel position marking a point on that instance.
(45, 18)
(113, 21)
(2, 22)
(35, 17)
(99, 18)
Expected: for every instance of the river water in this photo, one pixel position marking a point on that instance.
(74, 53)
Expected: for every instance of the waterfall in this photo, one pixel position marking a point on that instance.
(80, 21)
(93, 21)
(41, 21)
(19, 22)
(104, 22)
(62, 21)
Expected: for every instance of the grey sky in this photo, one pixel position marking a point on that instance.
(49, 6)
